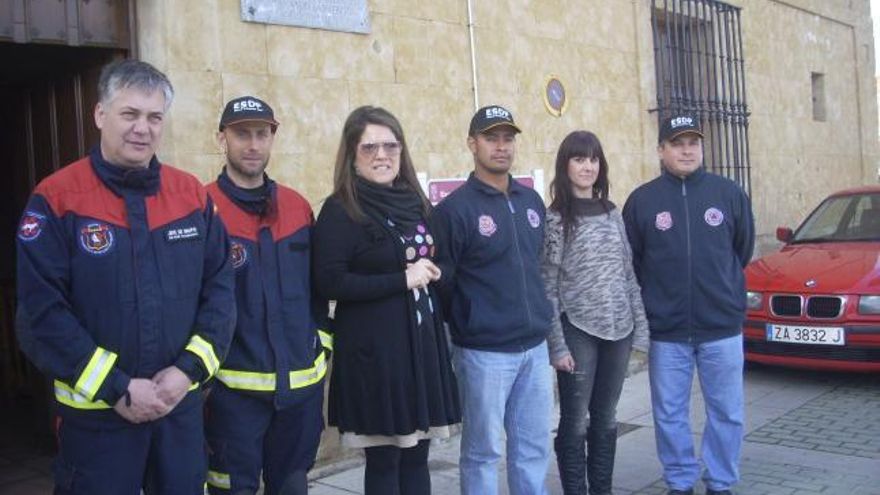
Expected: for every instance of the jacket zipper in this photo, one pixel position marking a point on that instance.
(522, 270)
(690, 268)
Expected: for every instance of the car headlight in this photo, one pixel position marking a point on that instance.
(869, 305)
(753, 299)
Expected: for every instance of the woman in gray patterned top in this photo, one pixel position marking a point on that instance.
(598, 312)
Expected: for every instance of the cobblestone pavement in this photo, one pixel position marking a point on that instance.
(806, 433)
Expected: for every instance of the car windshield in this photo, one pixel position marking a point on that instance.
(849, 218)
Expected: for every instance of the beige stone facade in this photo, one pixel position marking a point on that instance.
(417, 63)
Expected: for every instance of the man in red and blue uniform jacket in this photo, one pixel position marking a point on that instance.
(124, 286)
(265, 411)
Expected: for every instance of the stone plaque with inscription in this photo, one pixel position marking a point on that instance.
(336, 15)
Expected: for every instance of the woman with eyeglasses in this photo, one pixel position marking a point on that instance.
(598, 312)
(392, 389)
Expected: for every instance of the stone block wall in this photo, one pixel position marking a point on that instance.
(417, 63)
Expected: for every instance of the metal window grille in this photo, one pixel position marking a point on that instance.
(699, 67)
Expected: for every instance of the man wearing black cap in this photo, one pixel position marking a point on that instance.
(491, 231)
(692, 234)
(264, 412)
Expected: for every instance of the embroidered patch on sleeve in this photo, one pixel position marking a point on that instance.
(31, 225)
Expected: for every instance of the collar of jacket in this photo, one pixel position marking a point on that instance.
(262, 204)
(126, 180)
(514, 187)
(693, 178)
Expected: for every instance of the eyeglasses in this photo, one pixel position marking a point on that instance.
(392, 148)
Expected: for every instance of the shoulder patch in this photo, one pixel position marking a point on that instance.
(31, 225)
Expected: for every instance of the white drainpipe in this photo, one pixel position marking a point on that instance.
(473, 54)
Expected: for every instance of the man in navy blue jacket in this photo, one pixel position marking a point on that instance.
(125, 293)
(692, 233)
(264, 413)
(491, 231)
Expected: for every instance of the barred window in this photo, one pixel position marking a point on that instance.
(699, 68)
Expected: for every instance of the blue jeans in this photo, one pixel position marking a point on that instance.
(513, 391)
(720, 367)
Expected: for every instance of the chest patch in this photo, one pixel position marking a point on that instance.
(663, 221)
(182, 234)
(31, 226)
(713, 217)
(96, 238)
(534, 218)
(486, 225)
(238, 254)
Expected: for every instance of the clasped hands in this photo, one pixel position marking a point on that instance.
(148, 399)
(421, 273)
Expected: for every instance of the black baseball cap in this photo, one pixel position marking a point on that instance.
(492, 116)
(247, 109)
(676, 125)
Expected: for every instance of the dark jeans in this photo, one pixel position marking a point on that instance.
(589, 395)
(588, 406)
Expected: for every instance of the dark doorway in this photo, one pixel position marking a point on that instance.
(48, 94)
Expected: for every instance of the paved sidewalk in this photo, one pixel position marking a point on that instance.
(806, 433)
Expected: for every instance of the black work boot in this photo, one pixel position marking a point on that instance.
(601, 445)
(572, 461)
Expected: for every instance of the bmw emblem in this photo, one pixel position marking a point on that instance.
(810, 283)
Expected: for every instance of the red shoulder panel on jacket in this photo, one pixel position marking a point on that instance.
(297, 213)
(77, 189)
(238, 222)
(180, 195)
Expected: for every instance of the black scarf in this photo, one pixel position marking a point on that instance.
(399, 204)
(258, 201)
(122, 180)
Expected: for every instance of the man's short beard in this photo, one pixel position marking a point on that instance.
(245, 172)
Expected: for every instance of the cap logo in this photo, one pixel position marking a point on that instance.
(681, 122)
(497, 113)
(240, 106)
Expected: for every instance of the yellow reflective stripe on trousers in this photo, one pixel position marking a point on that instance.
(310, 376)
(219, 480)
(70, 397)
(326, 339)
(247, 380)
(205, 351)
(96, 370)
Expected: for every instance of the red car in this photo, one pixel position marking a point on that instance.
(816, 303)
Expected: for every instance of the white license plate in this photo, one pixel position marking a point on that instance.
(806, 335)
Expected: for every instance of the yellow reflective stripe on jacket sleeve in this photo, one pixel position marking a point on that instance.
(205, 351)
(70, 397)
(219, 480)
(310, 376)
(326, 339)
(247, 380)
(96, 370)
